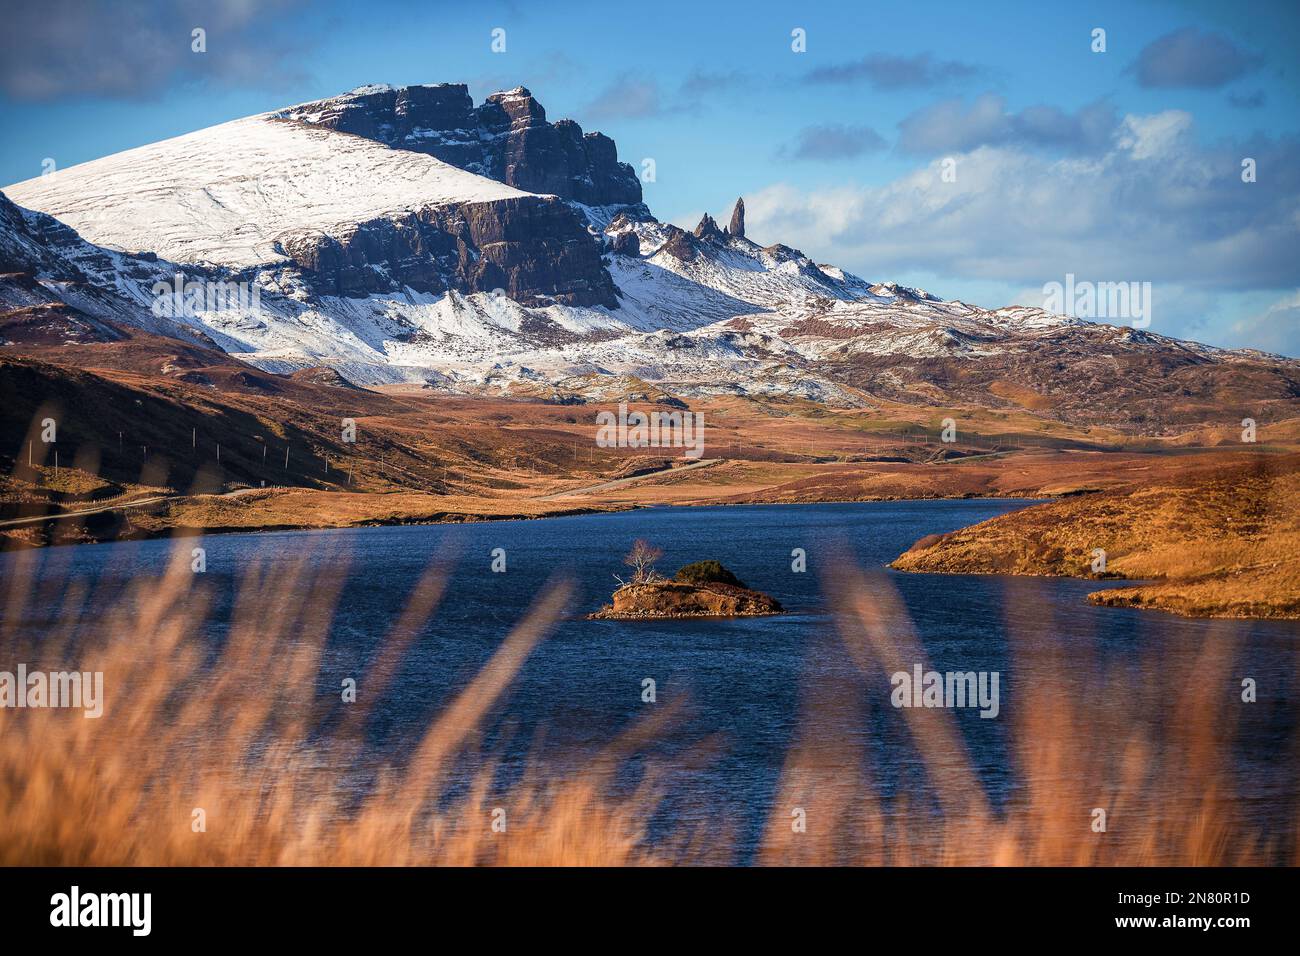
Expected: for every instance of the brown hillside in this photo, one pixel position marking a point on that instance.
(1217, 543)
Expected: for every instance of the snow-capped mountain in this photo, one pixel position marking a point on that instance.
(407, 235)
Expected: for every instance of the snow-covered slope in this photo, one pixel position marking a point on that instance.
(391, 264)
(231, 195)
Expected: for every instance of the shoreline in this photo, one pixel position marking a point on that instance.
(1222, 544)
(191, 531)
(460, 517)
(1144, 592)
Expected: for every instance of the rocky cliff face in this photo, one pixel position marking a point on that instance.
(507, 138)
(25, 243)
(535, 250)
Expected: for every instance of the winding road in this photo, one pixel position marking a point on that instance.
(64, 515)
(620, 482)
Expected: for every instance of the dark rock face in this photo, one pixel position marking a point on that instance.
(536, 248)
(626, 244)
(82, 304)
(737, 227)
(26, 247)
(508, 138)
(708, 229)
(631, 215)
(681, 245)
(533, 249)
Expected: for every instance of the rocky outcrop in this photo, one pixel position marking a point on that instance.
(532, 249)
(677, 599)
(626, 244)
(323, 375)
(535, 250)
(538, 251)
(708, 229)
(680, 244)
(685, 246)
(24, 244)
(507, 138)
(737, 227)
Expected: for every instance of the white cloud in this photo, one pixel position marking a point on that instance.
(1154, 207)
(1276, 329)
(955, 126)
(1147, 137)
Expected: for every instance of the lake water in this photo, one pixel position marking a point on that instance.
(746, 682)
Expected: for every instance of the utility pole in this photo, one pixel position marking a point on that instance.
(194, 438)
(286, 457)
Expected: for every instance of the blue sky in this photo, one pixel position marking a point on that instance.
(1122, 165)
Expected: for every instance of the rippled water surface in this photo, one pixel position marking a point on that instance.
(745, 683)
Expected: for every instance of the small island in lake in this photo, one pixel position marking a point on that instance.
(701, 589)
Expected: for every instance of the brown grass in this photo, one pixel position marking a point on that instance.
(308, 508)
(128, 426)
(232, 738)
(237, 734)
(1223, 542)
(240, 730)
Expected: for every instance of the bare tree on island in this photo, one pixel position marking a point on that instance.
(641, 559)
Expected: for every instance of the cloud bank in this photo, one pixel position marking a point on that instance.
(67, 48)
(954, 126)
(1151, 206)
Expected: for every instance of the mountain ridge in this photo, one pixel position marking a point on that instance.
(379, 257)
